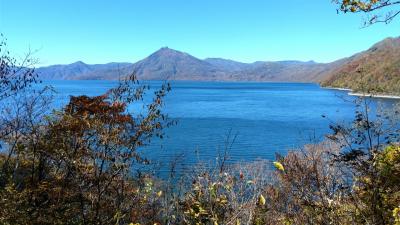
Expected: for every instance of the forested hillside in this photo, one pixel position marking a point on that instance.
(376, 70)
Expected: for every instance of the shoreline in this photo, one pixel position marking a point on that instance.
(374, 95)
(339, 89)
(351, 93)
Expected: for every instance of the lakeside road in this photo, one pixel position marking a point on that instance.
(350, 92)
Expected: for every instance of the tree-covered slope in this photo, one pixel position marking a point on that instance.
(375, 70)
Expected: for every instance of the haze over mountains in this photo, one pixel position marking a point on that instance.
(168, 64)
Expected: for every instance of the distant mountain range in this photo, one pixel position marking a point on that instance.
(382, 63)
(81, 71)
(169, 64)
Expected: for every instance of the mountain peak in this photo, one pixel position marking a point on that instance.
(79, 63)
(169, 54)
(167, 63)
(166, 49)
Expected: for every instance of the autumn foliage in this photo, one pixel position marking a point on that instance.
(381, 11)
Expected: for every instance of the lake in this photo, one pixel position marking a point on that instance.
(262, 118)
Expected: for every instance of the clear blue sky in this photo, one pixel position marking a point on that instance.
(244, 30)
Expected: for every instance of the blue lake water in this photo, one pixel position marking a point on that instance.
(264, 117)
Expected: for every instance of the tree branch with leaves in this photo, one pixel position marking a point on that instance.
(15, 75)
(381, 11)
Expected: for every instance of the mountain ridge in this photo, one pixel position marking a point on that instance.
(170, 64)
